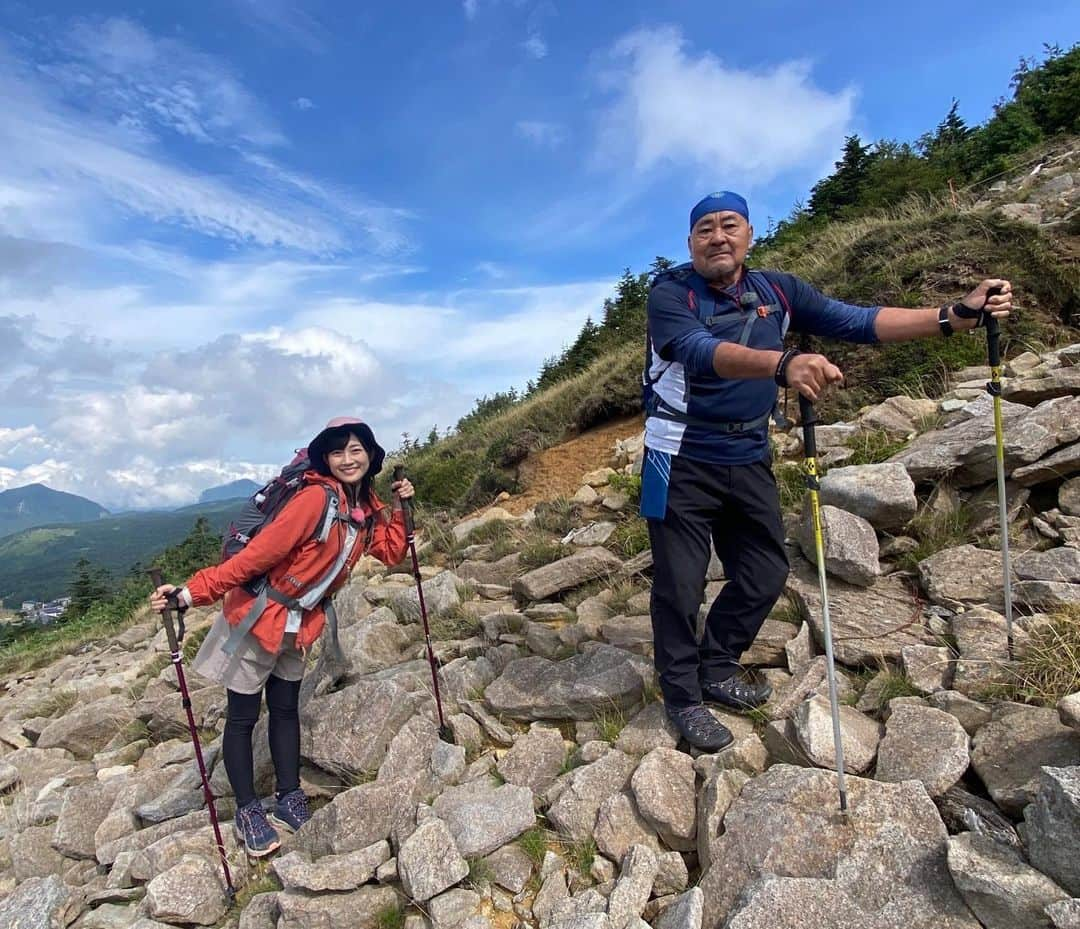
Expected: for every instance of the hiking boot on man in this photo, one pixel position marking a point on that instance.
(254, 831)
(291, 811)
(700, 728)
(735, 694)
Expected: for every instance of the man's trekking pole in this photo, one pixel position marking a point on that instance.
(406, 509)
(993, 387)
(809, 420)
(174, 654)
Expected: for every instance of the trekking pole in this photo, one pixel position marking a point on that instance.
(809, 420)
(993, 387)
(406, 509)
(185, 697)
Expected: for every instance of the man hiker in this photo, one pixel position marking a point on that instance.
(714, 358)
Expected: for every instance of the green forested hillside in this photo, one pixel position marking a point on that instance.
(38, 563)
(38, 505)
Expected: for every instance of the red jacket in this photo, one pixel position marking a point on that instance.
(294, 561)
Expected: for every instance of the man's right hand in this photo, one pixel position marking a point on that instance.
(811, 374)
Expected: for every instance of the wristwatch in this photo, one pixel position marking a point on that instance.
(944, 325)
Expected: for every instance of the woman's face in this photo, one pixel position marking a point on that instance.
(350, 464)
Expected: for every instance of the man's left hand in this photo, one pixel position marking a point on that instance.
(998, 306)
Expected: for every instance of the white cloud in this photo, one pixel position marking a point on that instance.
(288, 21)
(470, 8)
(535, 46)
(541, 132)
(674, 106)
(303, 103)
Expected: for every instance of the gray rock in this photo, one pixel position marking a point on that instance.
(9, 776)
(577, 688)
(595, 533)
(925, 745)
(1065, 914)
(809, 681)
(1069, 497)
(963, 576)
(633, 886)
(684, 913)
(851, 546)
(566, 574)
(619, 824)
(971, 714)
(440, 596)
(331, 872)
(769, 646)
(927, 667)
(40, 903)
(429, 861)
(574, 813)
(261, 912)
(453, 908)
(672, 876)
(542, 640)
(882, 494)
(32, 854)
(552, 892)
(571, 911)
(188, 892)
(664, 789)
(962, 811)
(466, 731)
(86, 729)
(85, 808)
(500, 572)
(814, 730)
(792, 903)
(717, 794)
(1057, 564)
(535, 760)
(360, 909)
(983, 507)
(648, 729)
(1002, 891)
(633, 633)
(357, 818)
(800, 649)
(483, 817)
(882, 864)
(510, 868)
(1062, 382)
(869, 624)
(1069, 711)
(1053, 826)
(347, 732)
(981, 639)
(1046, 595)
(1009, 752)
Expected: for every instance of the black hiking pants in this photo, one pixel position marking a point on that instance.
(738, 508)
(283, 702)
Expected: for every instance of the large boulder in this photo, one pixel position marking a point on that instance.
(577, 688)
(850, 543)
(882, 864)
(535, 759)
(361, 909)
(190, 891)
(814, 730)
(429, 861)
(482, 816)
(566, 573)
(440, 596)
(575, 810)
(1002, 890)
(664, 788)
(963, 576)
(1053, 827)
(40, 903)
(882, 494)
(85, 730)
(923, 744)
(1010, 752)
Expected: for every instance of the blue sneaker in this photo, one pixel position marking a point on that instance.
(254, 831)
(291, 811)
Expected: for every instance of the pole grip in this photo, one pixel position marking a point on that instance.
(406, 505)
(166, 614)
(809, 420)
(993, 333)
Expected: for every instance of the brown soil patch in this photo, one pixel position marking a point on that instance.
(557, 471)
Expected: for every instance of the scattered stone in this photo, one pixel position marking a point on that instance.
(717, 794)
(851, 546)
(453, 908)
(619, 824)
(664, 789)
(685, 912)
(971, 714)
(482, 817)
(1065, 914)
(510, 868)
(1002, 891)
(40, 903)
(331, 872)
(360, 909)
(649, 728)
(927, 667)
(769, 647)
(882, 494)
(574, 813)
(1053, 826)
(440, 596)
(566, 574)
(633, 887)
(925, 745)
(188, 892)
(814, 730)
(535, 760)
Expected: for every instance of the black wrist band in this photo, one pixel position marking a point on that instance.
(963, 311)
(780, 376)
(943, 321)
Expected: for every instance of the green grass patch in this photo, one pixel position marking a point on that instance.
(261, 880)
(57, 703)
(454, 624)
(1050, 667)
(391, 917)
(873, 447)
(557, 517)
(786, 610)
(936, 532)
(610, 721)
(631, 537)
(542, 552)
(628, 485)
(791, 483)
(192, 642)
(581, 855)
(534, 843)
(622, 591)
(894, 684)
(480, 872)
(494, 530)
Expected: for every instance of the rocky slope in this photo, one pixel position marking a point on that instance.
(565, 799)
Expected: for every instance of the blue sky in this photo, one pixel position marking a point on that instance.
(223, 223)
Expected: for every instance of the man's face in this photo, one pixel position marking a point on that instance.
(718, 245)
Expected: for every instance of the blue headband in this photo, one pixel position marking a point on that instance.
(720, 202)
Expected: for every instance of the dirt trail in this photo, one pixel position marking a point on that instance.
(557, 471)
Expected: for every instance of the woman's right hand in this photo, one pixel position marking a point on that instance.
(159, 598)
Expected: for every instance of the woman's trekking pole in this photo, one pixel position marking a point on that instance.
(185, 697)
(406, 508)
(809, 420)
(993, 387)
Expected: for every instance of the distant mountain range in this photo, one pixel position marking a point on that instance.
(230, 491)
(37, 563)
(38, 505)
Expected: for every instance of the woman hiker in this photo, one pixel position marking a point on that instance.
(302, 572)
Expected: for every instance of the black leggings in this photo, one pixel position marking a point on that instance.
(283, 701)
